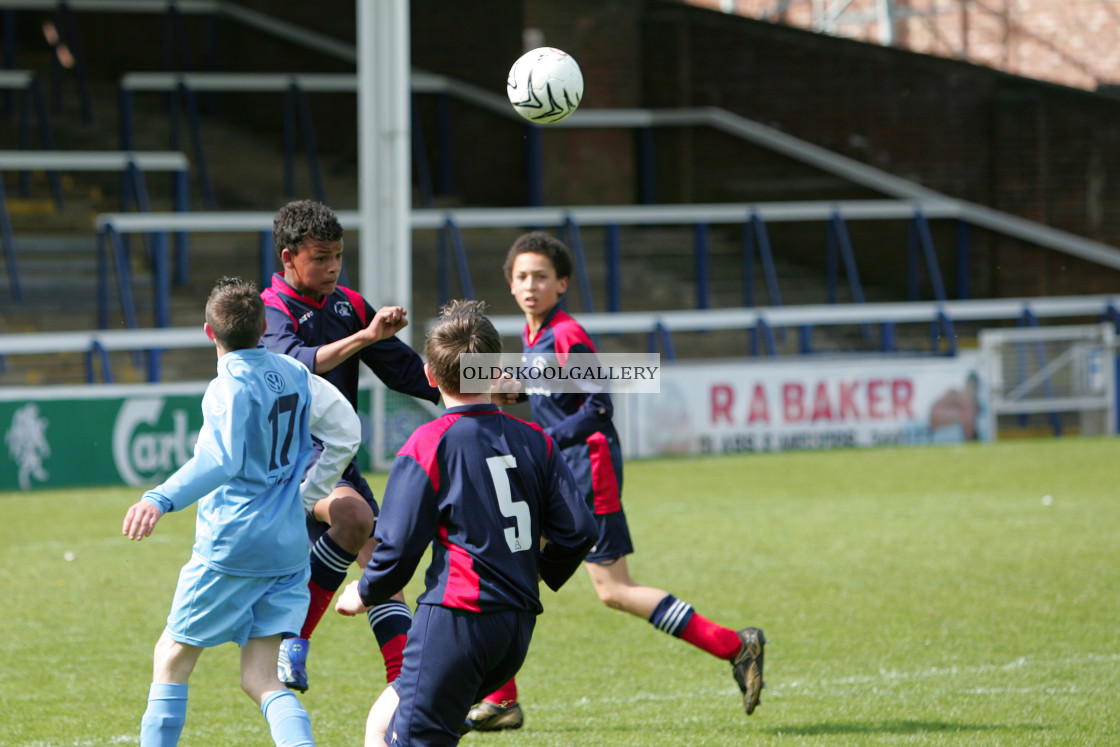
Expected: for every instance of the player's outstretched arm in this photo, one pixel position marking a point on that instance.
(140, 520)
(386, 322)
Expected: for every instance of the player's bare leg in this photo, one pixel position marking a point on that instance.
(258, 675)
(287, 719)
(377, 723)
(744, 649)
(350, 521)
(172, 664)
(173, 661)
(618, 591)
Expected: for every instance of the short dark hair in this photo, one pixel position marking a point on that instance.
(539, 242)
(462, 327)
(235, 313)
(301, 220)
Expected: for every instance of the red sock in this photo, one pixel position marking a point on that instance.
(393, 653)
(720, 642)
(320, 600)
(506, 695)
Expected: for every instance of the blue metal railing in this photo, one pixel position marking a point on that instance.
(837, 241)
(921, 248)
(755, 235)
(452, 251)
(569, 231)
(658, 326)
(30, 98)
(8, 238)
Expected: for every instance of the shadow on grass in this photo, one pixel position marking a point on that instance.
(901, 726)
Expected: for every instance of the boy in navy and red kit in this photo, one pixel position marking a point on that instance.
(332, 330)
(481, 488)
(537, 268)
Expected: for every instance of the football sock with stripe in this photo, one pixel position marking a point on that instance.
(329, 564)
(390, 623)
(288, 721)
(166, 713)
(506, 695)
(677, 618)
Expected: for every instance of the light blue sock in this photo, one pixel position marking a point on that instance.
(290, 724)
(163, 720)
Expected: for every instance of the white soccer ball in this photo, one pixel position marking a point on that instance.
(545, 85)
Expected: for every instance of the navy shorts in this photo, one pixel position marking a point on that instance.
(614, 539)
(352, 478)
(452, 660)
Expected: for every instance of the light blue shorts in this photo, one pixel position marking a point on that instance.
(211, 608)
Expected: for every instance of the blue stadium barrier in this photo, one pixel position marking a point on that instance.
(921, 245)
(755, 235)
(26, 82)
(451, 245)
(700, 265)
(763, 334)
(97, 352)
(612, 217)
(661, 340)
(659, 326)
(964, 243)
(569, 233)
(941, 329)
(613, 239)
(837, 241)
(8, 238)
(131, 165)
(182, 90)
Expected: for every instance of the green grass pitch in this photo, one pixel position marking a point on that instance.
(936, 596)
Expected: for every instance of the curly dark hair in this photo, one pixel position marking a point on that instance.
(539, 242)
(301, 220)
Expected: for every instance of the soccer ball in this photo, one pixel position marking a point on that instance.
(545, 85)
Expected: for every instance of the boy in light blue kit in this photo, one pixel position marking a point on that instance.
(246, 580)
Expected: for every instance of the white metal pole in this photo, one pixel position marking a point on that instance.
(385, 179)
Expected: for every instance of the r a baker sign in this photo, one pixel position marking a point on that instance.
(810, 404)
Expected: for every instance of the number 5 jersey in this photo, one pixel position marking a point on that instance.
(482, 487)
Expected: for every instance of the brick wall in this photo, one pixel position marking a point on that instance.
(1054, 40)
(1033, 149)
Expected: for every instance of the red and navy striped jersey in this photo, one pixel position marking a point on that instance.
(482, 488)
(298, 326)
(581, 424)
